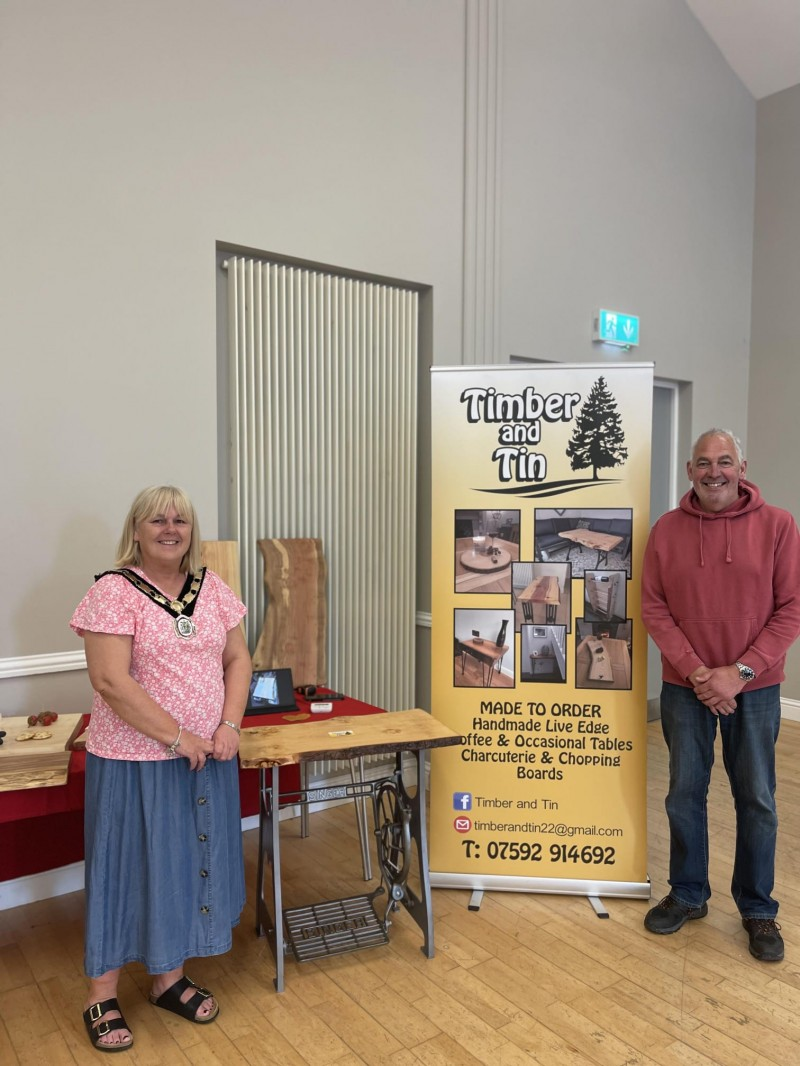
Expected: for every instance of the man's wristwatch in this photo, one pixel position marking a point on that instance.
(745, 673)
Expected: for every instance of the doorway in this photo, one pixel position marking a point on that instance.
(664, 471)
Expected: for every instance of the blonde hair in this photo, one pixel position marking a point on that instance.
(157, 500)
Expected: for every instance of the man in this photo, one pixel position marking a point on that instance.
(721, 599)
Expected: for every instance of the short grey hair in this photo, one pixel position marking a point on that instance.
(716, 432)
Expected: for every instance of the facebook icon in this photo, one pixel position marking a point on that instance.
(462, 801)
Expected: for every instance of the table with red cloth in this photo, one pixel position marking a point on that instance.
(42, 828)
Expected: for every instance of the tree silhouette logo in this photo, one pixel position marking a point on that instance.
(597, 440)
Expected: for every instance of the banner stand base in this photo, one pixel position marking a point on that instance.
(477, 884)
(475, 900)
(599, 909)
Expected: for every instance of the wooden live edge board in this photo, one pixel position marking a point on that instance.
(343, 738)
(36, 763)
(295, 632)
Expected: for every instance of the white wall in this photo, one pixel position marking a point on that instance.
(628, 175)
(135, 136)
(775, 367)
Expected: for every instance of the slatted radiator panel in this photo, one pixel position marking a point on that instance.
(522, 576)
(323, 394)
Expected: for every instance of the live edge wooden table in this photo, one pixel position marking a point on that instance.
(336, 926)
(602, 543)
(488, 654)
(541, 590)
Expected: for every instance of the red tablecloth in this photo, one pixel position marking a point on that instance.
(42, 828)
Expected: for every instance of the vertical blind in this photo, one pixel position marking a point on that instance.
(323, 415)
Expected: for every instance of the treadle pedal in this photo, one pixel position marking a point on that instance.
(334, 927)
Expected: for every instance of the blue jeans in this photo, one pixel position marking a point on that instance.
(748, 752)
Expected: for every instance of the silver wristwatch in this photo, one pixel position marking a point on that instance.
(745, 673)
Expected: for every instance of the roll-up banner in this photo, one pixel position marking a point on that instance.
(541, 491)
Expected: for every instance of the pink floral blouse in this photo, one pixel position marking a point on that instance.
(182, 676)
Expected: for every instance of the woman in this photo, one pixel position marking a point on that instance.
(171, 671)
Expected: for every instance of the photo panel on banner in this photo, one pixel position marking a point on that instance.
(541, 488)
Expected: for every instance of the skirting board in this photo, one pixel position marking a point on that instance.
(790, 710)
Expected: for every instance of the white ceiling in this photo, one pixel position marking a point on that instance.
(759, 38)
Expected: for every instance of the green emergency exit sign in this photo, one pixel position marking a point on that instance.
(614, 327)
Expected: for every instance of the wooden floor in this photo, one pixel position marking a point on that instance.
(527, 979)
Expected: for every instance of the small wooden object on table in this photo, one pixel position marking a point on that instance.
(483, 562)
(36, 763)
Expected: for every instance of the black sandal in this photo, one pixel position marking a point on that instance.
(93, 1014)
(171, 1000)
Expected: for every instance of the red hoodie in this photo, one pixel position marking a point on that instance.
(724, 587)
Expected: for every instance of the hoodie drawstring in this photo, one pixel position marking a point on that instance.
(702, 560)
(728, 541)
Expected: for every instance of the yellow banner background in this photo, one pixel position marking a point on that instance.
(548, 793)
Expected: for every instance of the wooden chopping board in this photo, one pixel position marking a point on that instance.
(222, 556)
(36, 763)
(295, 631)
(600, 663)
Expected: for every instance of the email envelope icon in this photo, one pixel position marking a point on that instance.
(463, 825)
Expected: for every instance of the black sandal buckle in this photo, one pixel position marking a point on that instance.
(95, 1012)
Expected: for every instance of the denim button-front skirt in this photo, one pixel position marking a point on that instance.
(164, 867)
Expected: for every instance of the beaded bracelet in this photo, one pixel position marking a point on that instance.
(171, 748)
(232, 725)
